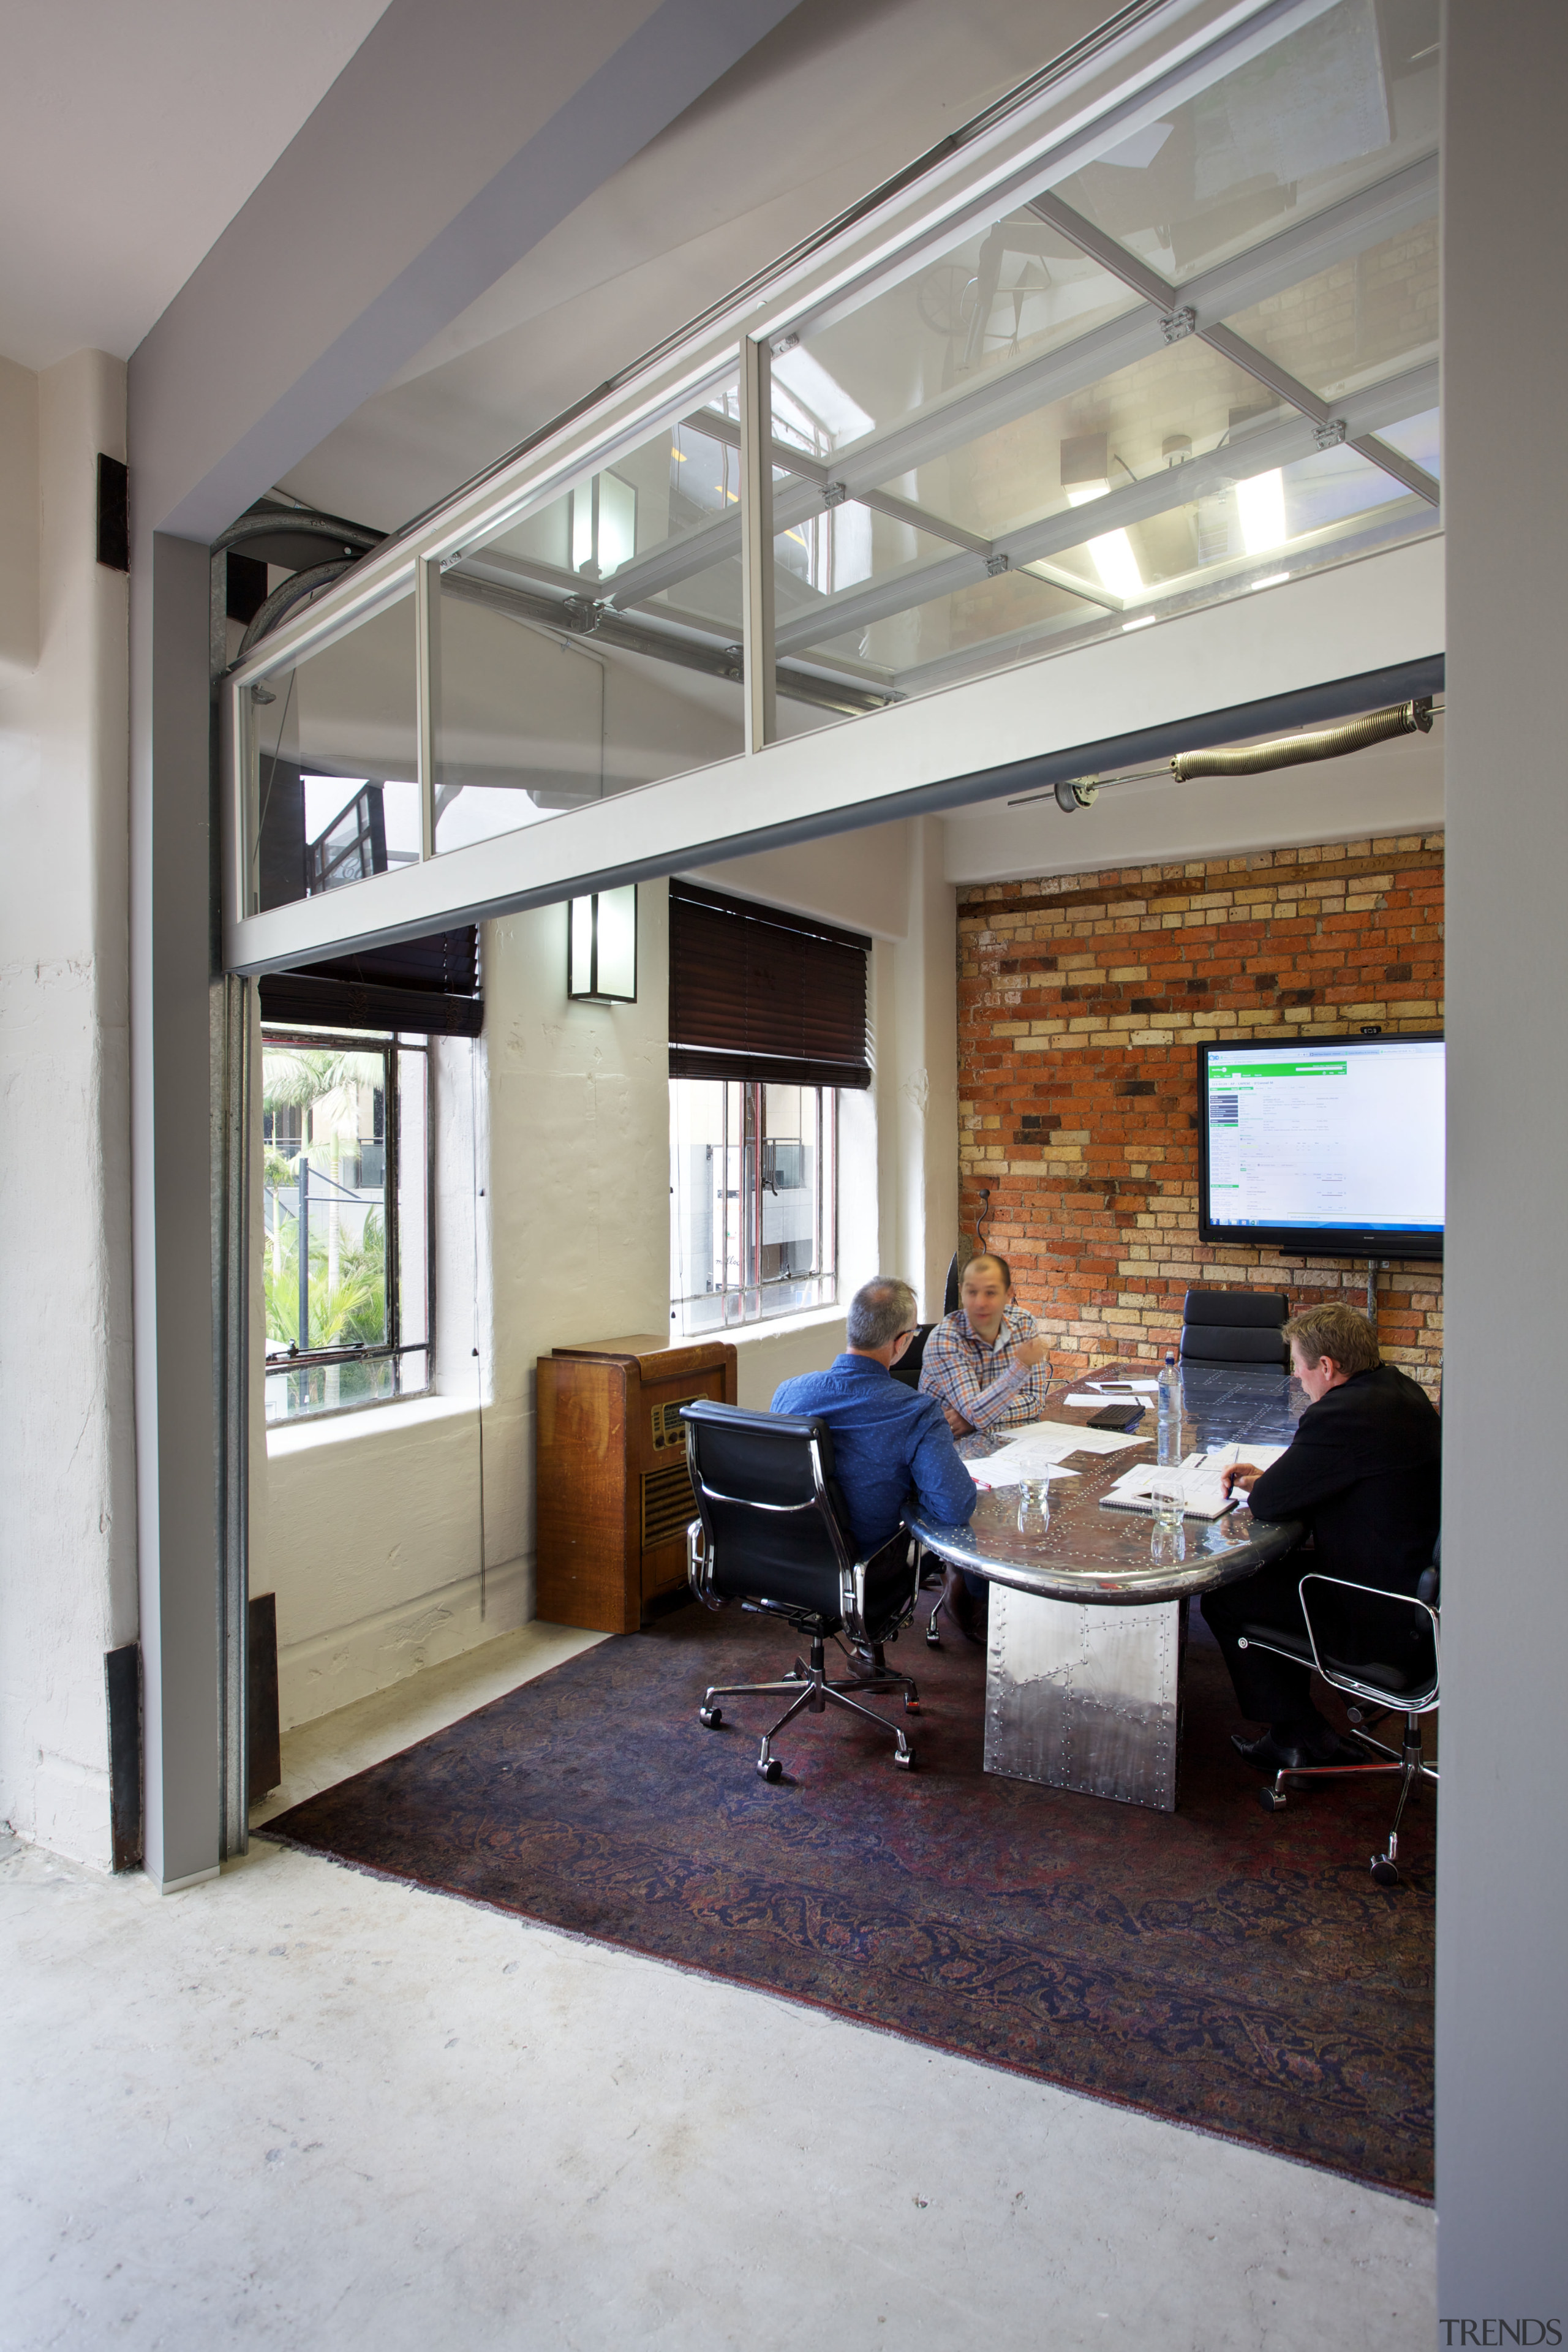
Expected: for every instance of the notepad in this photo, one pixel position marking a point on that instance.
(1203, 1492)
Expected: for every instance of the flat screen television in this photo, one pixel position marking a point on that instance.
(1323, 1146)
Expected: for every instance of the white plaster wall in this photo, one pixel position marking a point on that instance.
(67, 1589)
(551, 1174)
(552, 1157)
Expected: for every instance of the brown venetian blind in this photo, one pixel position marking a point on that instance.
(757, 994)
(430, 984)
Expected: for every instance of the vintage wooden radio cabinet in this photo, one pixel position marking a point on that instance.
(614, 1494)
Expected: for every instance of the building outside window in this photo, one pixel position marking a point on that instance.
(346, 1209)
(753, 1194)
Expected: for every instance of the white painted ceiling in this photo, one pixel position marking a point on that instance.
(130, 133)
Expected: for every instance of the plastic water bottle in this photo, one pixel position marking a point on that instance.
(1170, 1404)
(1167, 1489)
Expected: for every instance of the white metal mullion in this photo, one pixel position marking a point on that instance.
(427, 631)
(757, 543)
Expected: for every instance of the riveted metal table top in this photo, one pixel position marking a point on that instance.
(1087, 1554)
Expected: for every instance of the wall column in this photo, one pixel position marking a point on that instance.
(172, 964)
(1502, 2058)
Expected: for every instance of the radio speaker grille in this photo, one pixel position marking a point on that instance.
(668, 1504)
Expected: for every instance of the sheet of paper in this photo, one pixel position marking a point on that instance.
(1045, 1441)
(1262, 1457)
(998, 1470)
(1202, 1492)
(1093, 1398)
(1120, 1387)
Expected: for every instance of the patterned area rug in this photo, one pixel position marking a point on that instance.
(1219, 1967)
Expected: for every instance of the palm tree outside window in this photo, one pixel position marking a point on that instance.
(347, 1254)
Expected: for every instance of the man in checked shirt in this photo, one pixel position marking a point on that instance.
(989, 1373)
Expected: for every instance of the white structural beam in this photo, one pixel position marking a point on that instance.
(924, 754)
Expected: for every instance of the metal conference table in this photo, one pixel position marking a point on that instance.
(1089, 1616)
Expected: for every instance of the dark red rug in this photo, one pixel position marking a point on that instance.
(1219, 1967)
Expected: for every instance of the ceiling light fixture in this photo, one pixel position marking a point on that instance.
(1086, 475)
(1261, 504)
(1273, 580)
(1144, 621)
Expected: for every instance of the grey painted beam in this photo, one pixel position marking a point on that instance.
(457, 136)
(1174, 486)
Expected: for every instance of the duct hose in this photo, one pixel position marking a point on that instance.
(1290, 750)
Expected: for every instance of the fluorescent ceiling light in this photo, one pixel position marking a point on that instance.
(1112, 552)
(1144, 621)
(1273, 580)
(1262, 504)
(1115, 563)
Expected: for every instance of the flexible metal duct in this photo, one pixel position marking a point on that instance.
(1290, 750)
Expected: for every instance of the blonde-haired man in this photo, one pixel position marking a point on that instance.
(1364, 1471)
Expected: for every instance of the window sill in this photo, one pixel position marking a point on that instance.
(286, 1437)
(814, 1319)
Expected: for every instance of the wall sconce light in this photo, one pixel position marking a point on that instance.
(602, 958)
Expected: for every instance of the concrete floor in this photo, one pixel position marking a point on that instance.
(300, 2107)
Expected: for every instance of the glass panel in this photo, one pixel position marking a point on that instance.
(336, 759)
(1366, 318)
(1421, 438)
(1336, 105)
(574, 659)
(330, 1388)
(933, 444)
(753, 1188)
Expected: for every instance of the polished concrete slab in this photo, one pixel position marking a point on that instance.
(301, 2107)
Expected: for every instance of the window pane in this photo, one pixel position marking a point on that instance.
(324, 1131)
(752, 1201)
(334, 760)
(330, 1388)
(570, 668)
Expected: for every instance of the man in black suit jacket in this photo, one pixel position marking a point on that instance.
(1364, 1471)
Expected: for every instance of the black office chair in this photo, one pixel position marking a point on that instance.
(772, 1534)
(908, 1367)
(1235, 1326)
(1381, 1649)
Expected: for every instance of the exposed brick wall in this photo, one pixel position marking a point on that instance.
(1081, 1000)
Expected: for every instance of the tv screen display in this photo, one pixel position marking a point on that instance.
(1323, 1148)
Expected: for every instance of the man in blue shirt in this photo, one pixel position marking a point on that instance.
(887, 1438)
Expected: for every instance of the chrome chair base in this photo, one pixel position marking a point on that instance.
(812, 1690)
(1408, 1761)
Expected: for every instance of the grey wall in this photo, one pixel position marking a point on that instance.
(1502, 2054)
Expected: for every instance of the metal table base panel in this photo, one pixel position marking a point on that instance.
(1086, 1699)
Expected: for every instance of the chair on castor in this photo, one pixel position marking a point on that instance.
(1381, 1649)
(771, 1532)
